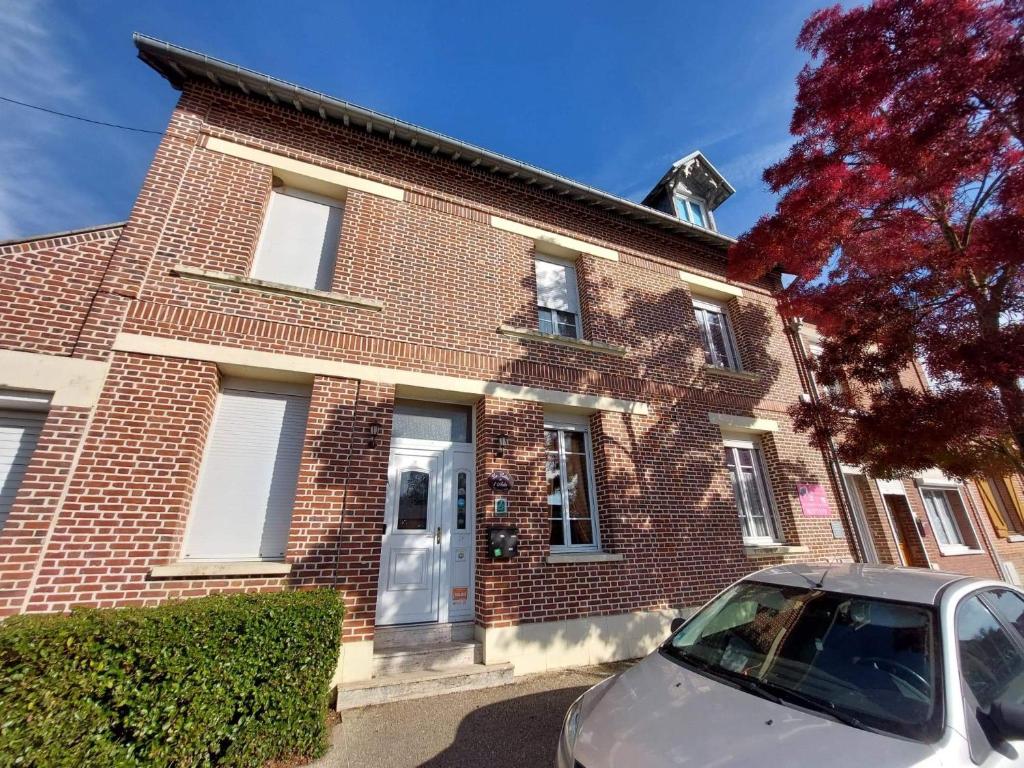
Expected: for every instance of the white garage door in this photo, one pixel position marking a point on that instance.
(19, 433)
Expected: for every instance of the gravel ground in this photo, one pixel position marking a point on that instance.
(514, 725)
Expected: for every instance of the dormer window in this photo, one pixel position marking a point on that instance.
(692, 210)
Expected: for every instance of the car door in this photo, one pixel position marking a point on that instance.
(990, 650)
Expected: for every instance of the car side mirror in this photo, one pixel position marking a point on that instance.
(1008, 717)
(677, 622)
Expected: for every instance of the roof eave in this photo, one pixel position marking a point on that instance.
(179, 64)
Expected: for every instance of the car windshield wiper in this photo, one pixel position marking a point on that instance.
(827, 708)
(748, 684)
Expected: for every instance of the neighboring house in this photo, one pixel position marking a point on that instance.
(329, 348)
(931, 520)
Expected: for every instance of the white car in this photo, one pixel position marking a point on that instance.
(810, 665)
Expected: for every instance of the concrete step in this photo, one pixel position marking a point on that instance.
(422, 658)
(422, 634)
(421, 684)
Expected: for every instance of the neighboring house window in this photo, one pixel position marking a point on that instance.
(558, 304)
(948, 518)
(243, 501)
(1001, 503)
(693, 211)
(299, 241)
(750, 488)
(715, 334)
(569, 470)
(19, 433)
(833, 390)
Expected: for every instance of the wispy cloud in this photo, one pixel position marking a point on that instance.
(745, 170)
(34, 190)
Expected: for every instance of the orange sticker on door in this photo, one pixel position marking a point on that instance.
(460, 594)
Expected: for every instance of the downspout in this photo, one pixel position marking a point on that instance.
(858, 526)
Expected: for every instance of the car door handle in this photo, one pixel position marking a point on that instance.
(437, 536)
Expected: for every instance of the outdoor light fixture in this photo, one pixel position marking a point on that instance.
(502, 441)
(374, 431)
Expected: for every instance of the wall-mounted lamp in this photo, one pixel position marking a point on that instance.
(501, 440)
(374, 432)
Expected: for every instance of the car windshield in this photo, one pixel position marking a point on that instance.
(869, 663)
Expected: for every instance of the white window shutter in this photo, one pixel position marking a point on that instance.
(556, 286)
(243, 502)
(299, 241)
(19, 433)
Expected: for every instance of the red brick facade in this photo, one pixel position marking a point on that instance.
(110, 489)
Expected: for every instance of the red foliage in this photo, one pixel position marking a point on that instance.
(902, 216)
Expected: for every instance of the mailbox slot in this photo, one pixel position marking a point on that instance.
(502, 541)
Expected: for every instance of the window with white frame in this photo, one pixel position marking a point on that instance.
(949, 519)
(750, 488)
(716, 333)
(692, 210)
(835, 389)
(569, 469)
(22, 415)
(558, 303)
(299, 242)
(243, 502)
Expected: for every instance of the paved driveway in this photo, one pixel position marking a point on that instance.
(515, 725)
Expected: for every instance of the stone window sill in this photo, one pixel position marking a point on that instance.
(207, 570)
(729, 373)
(266, 286)
(590, 346)
(960, 551)
(561, 558)
(774, 550)
(1015, 538)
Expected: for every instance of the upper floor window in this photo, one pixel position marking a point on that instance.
(949, 519)
(750, 488)
(692, 210)
(715, 334)
(558, 303)
(569, 469)
(299, 240)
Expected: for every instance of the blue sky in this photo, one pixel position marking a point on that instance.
(607, 93)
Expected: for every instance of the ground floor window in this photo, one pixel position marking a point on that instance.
(750, 488)
(19, 433)
(243, 502)
(1002, 504)
(948, 518)
(569, 470)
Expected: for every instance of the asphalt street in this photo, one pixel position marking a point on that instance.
(514, 725)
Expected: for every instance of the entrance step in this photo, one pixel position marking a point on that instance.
(422, 634)
(421, 684)
(425, 658)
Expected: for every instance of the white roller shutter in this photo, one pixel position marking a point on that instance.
(556, 285)
(243, 503)
(299, 240)
(19, 433)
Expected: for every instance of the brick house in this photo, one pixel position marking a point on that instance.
(330, 348)
(931, 520)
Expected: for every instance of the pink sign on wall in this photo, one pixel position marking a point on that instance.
(813, 500)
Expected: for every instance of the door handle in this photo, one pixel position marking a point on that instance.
(437, 536)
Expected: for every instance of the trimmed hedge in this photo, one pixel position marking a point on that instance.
(233, 680)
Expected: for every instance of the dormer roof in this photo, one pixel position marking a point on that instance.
(692, 176)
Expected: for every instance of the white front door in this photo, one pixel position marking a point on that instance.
(426, 559)
(410, 552)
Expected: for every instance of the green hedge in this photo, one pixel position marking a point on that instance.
(232, 680)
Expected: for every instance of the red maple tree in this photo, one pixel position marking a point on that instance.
(902, 217)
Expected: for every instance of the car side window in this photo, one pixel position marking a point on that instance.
(1009, 606)
(990, 659)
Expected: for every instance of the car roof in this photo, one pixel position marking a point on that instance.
(911, 585)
